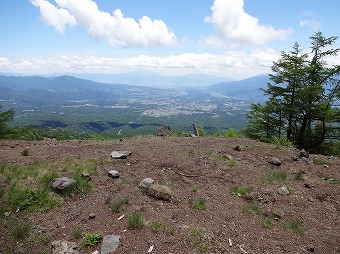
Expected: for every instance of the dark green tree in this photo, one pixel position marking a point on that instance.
(303, 97)
(5, 117)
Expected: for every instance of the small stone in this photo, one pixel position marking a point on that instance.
(113, 174)
(7, 214)
(310, 248)
(311, 199)
(294, 158)
(275, 161)
(120, 154)
(92, 216)
(146, 183)
(86, 175)
(307, 185)
(283, 190)
(161, 192)
(237, 148)
(110, 244)
(325, 166)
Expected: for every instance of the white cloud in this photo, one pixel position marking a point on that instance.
(234, 64)
(315, 25)
(53, 16)
(100, 25)
(238, 27)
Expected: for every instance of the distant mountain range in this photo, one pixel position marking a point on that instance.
(86, 105)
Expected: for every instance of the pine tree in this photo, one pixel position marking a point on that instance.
(303, 97)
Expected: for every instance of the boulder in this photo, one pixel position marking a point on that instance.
(164, 131)
(120, 154)
(62, 183)
(65, 247)
(110, 244)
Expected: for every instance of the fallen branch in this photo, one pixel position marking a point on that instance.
(241, 249)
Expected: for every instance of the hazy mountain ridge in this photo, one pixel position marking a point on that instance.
(81, 104)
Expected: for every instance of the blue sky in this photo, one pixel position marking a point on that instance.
(232, 38)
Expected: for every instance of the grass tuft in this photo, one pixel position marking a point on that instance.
(135, 221)
(240, 191)
(198, 203)
(198, 236)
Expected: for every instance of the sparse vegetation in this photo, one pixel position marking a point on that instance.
(77, 233)
(135, 221)
(295, 226)
(91, 239)
(254, 208)
(299, 175)
(267, 222)
(276, 176)
(198, 237)
(117, 206)
(198, 203)
(162, 227)
(21, 231)
(240, 191)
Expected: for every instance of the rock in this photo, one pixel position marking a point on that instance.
(294, 158)
(303, 154)
(92, 216)
(311, 199)
(62, 183)
(325, 166)
(110, 244)
(113, 174)
(310, 248)
(275, 161)
(146, 183)
(160, 192)
(120, 154)
(283, 190)
(307, 185)
(164, 131)
(237, 148)
(65, 247)
(86, 175)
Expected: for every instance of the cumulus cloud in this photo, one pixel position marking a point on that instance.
(238, 27)
(53, 16)
(315, 25)
(233, 64)
(101, 25)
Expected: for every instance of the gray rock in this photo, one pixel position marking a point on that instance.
(62, 183)
(303, 154)
(146, 183)
(283, 190)
(110, 244)
(65, 247)
(86, 175)
(120, 154)
(164, 131)
(275, 161)
(113, 174)
(92, 216)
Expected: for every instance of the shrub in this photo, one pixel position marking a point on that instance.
(21, 231)
(254, 208)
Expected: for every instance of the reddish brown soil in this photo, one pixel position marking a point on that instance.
(192, 168)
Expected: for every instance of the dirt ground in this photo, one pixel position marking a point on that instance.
(193, 168)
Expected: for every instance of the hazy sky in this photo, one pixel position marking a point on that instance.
(232, 38)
